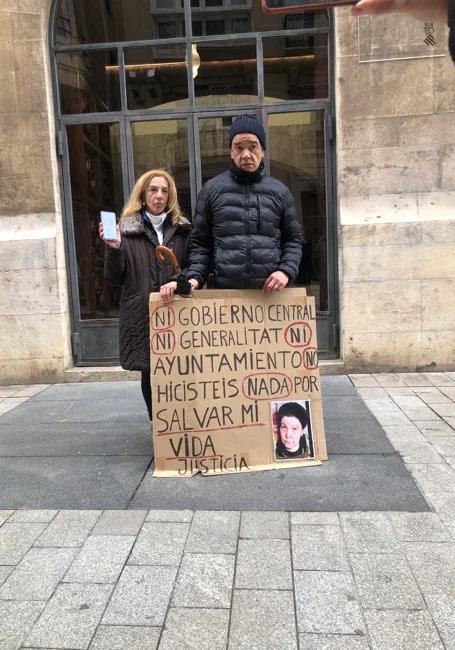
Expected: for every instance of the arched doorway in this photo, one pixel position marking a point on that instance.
(142, 84)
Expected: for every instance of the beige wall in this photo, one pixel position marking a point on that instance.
(396, 190)
(34, 326)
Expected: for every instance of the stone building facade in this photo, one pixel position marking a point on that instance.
(393, 194)
(396, 192)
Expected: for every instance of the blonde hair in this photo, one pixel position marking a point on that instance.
(136, 202)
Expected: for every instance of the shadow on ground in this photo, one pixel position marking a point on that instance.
(88, 446)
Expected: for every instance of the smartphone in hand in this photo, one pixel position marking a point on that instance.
(110, 225)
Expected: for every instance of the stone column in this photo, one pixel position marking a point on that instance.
(396, 192)
(34, 320)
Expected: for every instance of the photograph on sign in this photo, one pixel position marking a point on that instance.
(220, 362)
(292, 430)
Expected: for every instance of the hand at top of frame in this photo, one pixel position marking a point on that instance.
(426, 10)
(110, 242)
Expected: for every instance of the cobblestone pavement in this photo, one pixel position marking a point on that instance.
(136, 579)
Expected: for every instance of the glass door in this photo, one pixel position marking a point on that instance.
(299, 156)
(93, 181)
(102, 163)
(164, 144)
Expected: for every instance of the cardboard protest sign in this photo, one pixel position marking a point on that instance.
(235, 382)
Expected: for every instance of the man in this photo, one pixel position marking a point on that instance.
(439, 11)
(245, 229)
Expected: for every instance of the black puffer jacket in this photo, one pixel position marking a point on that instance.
(244, 228)
(134, 267)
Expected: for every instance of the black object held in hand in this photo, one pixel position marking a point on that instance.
(183, 286)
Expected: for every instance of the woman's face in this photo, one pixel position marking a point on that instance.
(291, 431)
(157, 195)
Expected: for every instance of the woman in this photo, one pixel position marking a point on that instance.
(292, 419)
(151, 217)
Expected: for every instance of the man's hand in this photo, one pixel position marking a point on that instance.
(167, 291)
(194, 284)
(276, 281)
(426, 10)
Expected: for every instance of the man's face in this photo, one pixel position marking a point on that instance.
(246, 152)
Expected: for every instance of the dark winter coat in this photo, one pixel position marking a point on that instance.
(244, 228)
(134, 267)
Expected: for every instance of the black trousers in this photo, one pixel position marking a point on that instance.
(147, 391)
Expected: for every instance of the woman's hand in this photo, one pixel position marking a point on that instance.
(109, 242)
(426, 10)
(167, 291)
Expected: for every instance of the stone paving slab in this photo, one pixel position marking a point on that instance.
(442, 610)
(319, 547)
(69, 528)
(183, 516)
(120, 522)
(101, 559)
(10, 391)
(263, 564)
(16, 620)
(419, 527)
(213, 532)
(8, 405)
(402, 630)
(263, 620)
(197, 629)
(160, 543)
(204, 580)
(271, 525)
(16, 539)
(327, 602)
(71, 617)
(38, 574)
(141, 596)
(32, 516)
(333, 642)
(125, 637)
(369, 532)
(5, 571)
(385, 581)
(4, 515)
(433, 565)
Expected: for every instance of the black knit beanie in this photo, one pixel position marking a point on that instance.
(247, 124)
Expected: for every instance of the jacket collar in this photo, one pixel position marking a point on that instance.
(134, 225)
(241, 176)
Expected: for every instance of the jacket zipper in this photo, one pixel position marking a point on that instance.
(248, 238)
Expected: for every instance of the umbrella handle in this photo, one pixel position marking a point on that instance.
(162, 251)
